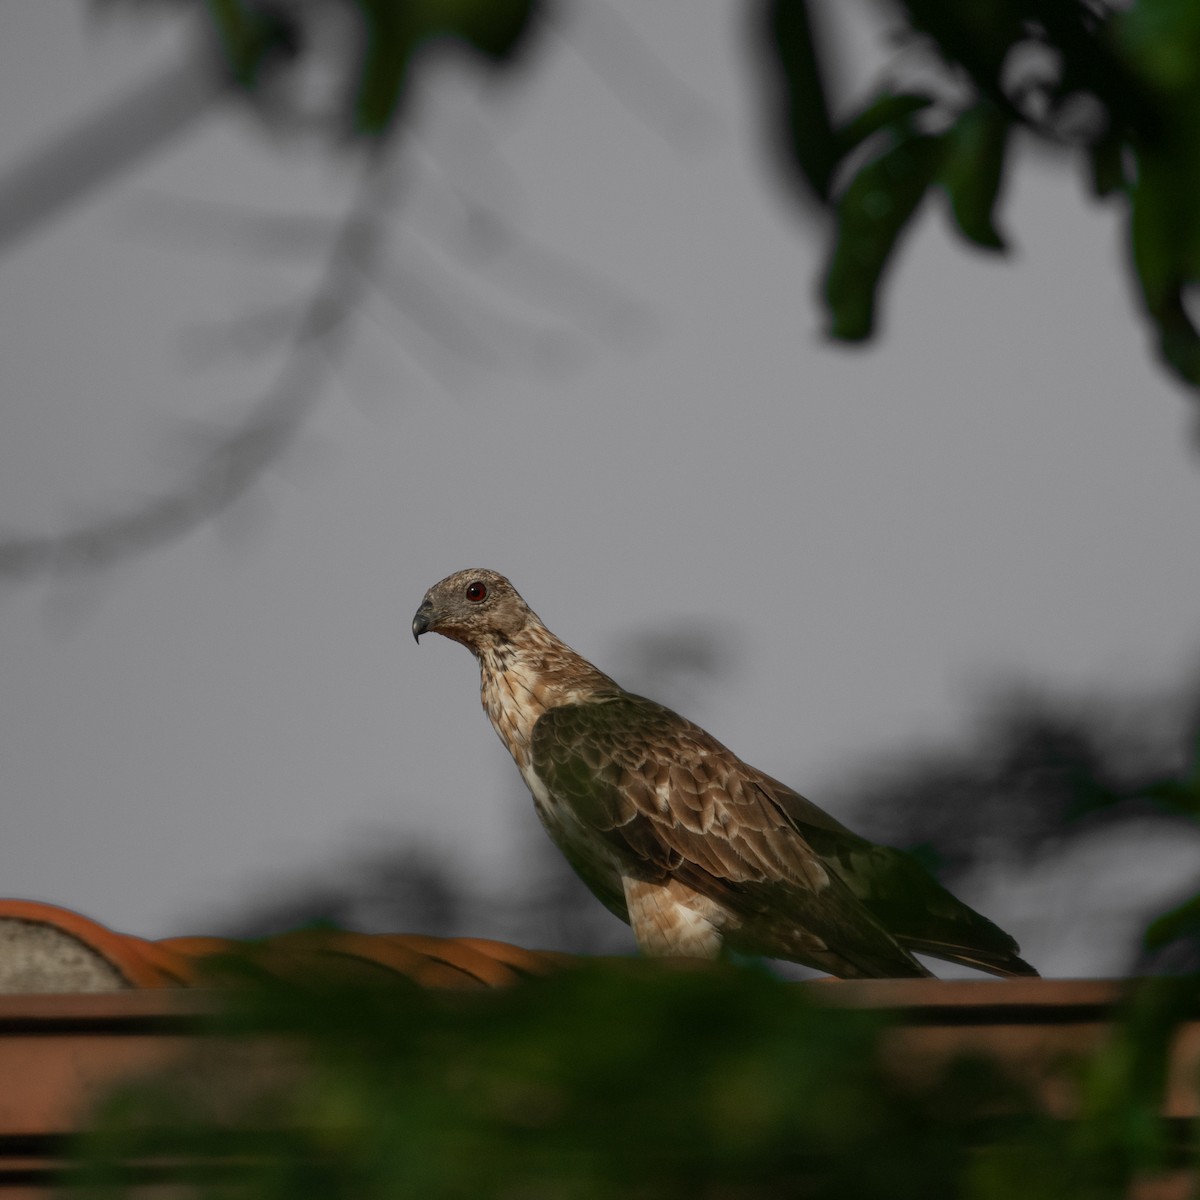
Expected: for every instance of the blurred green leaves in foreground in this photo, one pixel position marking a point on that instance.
(257, 37)
(1115, 85)
(617, 1078)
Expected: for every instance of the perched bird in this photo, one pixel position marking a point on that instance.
(698, 851)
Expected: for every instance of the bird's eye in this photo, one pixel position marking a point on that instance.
(476, 591)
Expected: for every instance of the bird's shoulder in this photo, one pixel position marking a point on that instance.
(620, 733)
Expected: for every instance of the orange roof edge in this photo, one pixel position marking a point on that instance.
(47, 948)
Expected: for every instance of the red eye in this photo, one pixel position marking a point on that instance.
(476, 591)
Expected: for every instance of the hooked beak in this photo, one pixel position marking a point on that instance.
(422, 621)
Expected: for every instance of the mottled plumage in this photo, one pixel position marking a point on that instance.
(696, 849)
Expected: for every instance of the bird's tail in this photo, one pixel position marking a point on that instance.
(1006, 963)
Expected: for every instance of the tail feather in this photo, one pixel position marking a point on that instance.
(1007, 965)
(902, 896)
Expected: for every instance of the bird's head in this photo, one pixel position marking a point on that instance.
(475, 607)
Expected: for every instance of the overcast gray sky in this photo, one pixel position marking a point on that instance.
(1000, 487)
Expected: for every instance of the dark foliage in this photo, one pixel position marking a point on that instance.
(1116, 85)
(615, 1080)
(1039, 772)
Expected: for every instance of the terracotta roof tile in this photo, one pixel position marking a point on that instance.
(45, 948)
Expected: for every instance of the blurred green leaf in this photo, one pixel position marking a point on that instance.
(249, 35)
(391, 37)
(494, 28)
(1160, 215)
(1162, 39)
(396, 30)
(616, 1079)
(871, 215)
(1179, 340)
(978, 37)
(1179, 794)
(619, 1079)
(972, 170)
(1165, 233)
(887, 109)
(810, 139)
(1181, 922)
(1106, 160)
(1120, 1133)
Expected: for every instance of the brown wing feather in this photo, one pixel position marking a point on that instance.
(670, 792)
(672, 801)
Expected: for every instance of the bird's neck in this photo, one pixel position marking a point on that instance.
(520, 678)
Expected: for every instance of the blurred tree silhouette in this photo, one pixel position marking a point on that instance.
(1039, 771)
(1116, 85)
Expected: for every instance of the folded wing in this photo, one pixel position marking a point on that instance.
(670, 802)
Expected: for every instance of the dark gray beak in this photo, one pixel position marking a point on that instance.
(422, 621)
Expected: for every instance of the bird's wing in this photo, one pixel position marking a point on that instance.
(914, 908)
(672, 802)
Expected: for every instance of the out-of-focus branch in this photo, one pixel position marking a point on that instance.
(236, 458)
(257, 51)
(67, 169)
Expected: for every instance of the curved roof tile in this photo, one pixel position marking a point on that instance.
(45, 948)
